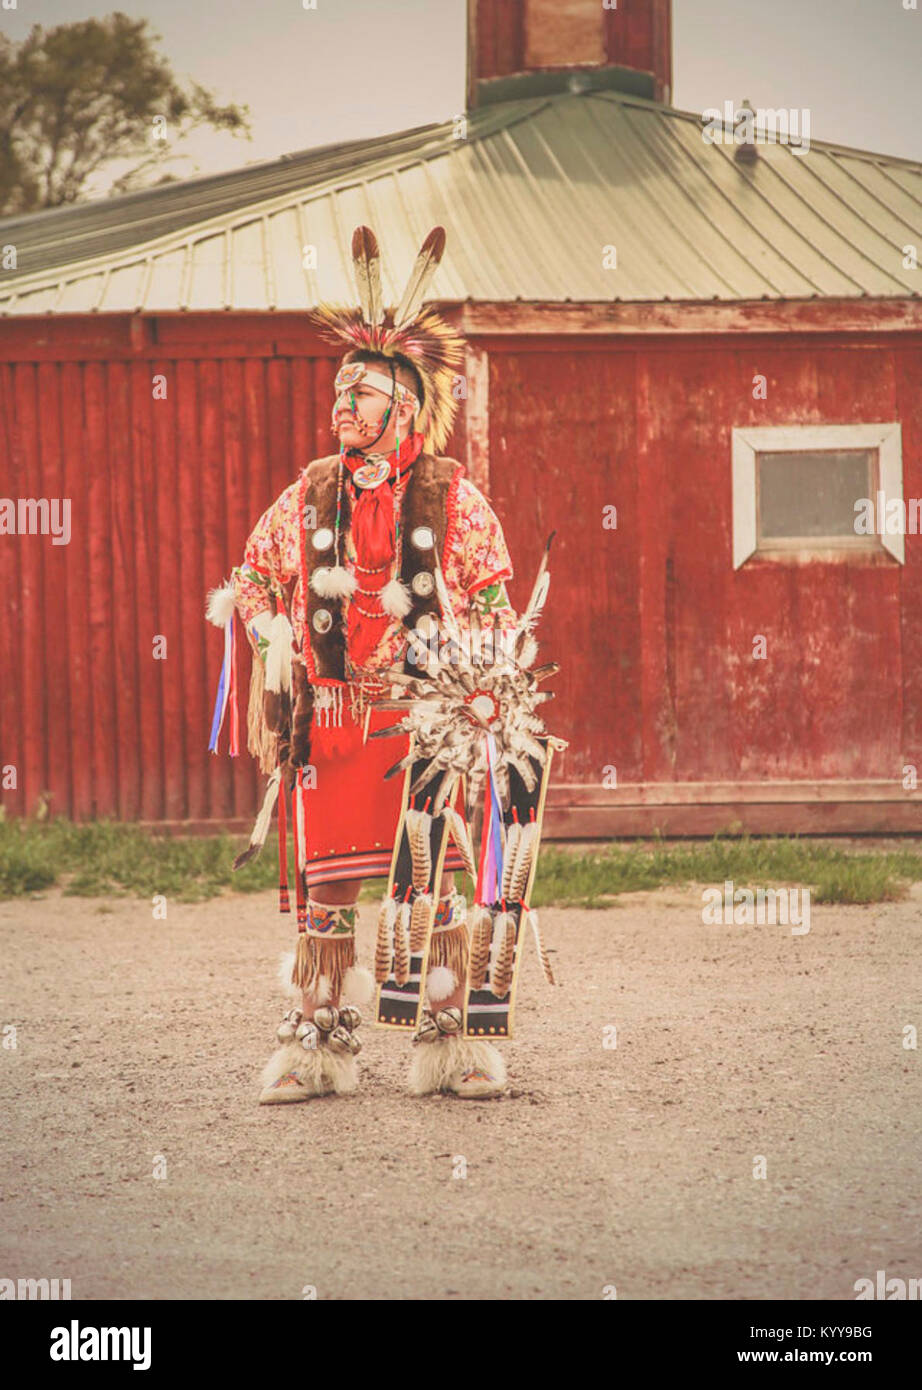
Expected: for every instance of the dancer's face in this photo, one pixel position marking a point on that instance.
(357, 417)
(360, 409)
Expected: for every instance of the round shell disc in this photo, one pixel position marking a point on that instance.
(422, 584)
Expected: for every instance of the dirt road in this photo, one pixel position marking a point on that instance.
(139, 1042)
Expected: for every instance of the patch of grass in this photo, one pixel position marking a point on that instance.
(107, 859)
(593, 878)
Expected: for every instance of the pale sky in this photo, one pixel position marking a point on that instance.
(351, 69)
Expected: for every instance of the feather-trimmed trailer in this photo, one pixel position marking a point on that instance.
(472, 719)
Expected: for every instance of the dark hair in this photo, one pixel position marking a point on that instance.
(404, 366)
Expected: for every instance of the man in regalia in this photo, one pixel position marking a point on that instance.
(339, 578)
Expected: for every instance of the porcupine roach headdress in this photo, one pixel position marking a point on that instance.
(417, 333)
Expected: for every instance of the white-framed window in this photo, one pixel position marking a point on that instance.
(819, 488)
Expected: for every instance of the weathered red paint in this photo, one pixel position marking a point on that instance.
(651, 624)
(655, 626)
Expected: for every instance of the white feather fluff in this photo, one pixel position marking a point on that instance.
(528, 652)
(440, 983)
(395, 598)
(278, 657)
(358, 986)
(219, 606)
(286, 965)
(335, 582)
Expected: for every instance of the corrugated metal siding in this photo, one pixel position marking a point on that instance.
(651, 624)
(163, 495)
(530, 199)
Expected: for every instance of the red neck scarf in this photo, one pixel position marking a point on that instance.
(373, 507)
(372, 527)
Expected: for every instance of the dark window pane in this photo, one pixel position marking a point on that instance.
(812, 494)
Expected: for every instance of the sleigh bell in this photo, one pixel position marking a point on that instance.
(339, 1040)
(326, 1018)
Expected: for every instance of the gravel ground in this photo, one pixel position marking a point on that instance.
(139, 1042)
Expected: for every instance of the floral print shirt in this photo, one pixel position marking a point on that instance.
(475, 563)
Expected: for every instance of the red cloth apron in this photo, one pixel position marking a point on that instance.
(352, 813)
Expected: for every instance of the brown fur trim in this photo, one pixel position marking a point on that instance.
(302, 716)
(328, 649)
(425, 503)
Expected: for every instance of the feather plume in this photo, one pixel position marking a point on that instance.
(448, 612)
(419, 828)
(419, 922)
(390, 731)
(400, 766)
(263, 821)
(219, 606)
(384, 947)
(481, 938)
(542, 953)
(461, 837)
(402, 944)
(538, 593)
(513, 835)
(504, 959)
(366, 264)
(528, 651)
(424, 267)
(518, 881)
(445, 791)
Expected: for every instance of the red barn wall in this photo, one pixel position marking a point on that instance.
(650, 622)
(164, 494)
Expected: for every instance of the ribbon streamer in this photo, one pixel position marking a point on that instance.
(490, 867)
(227, 695)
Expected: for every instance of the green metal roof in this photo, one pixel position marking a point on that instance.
(530, 198)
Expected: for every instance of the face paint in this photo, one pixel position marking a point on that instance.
(350, 375)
